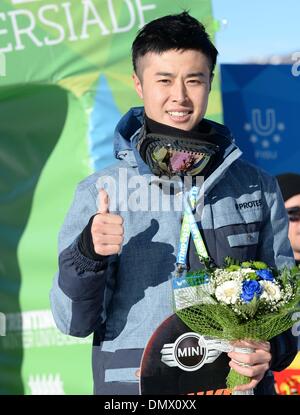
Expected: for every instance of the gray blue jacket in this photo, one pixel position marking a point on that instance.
(123, 300)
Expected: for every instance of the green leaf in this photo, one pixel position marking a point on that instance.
(259, 265)
(252, 276)
(228, 261)
(233, 268)
(249, 310)
(246, 264)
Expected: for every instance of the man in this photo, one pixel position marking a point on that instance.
(289, 184)
(114, 267)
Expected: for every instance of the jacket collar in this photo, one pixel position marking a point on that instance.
(131, 127)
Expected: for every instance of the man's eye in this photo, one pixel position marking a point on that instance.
(164, 81)
(194, 81)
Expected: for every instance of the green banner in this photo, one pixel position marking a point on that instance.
(65, 80)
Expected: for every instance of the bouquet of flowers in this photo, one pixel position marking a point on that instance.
(242, 301)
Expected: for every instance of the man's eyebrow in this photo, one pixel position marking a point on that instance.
(189, 75)
(196, 75)
(164, 74)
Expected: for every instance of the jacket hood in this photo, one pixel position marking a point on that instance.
(126, 136)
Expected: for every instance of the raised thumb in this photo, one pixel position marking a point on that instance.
(103, 202)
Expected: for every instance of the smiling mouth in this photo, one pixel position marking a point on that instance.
(179, 113)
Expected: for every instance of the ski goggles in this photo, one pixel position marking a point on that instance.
(166, 155)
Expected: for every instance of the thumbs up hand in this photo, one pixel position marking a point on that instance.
(107, 229)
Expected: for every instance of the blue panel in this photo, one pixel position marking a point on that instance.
(261, 105)
(104, 117)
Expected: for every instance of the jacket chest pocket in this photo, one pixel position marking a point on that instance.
(237, 235)
(236, 241)
(243, 239)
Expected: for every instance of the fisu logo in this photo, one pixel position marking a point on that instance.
(264, 132)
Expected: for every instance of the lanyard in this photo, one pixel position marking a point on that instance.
(188, 227)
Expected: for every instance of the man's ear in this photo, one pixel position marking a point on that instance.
(137, 85)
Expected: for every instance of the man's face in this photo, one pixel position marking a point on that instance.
(294, 226)
(174, 86)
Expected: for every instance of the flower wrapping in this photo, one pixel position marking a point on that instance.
(242, 301)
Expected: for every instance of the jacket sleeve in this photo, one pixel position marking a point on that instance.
(275, 250)
(274, 246)
(283, 350)
(80, 290)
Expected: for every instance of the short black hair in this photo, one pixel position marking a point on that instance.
(177, 31)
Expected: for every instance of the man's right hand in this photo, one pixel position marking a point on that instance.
(107, 229)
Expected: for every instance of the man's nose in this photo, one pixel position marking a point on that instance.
(179, 92)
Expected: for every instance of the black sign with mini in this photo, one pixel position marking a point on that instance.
(179, 361)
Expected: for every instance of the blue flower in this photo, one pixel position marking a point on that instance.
(265, 274)
(249, 289)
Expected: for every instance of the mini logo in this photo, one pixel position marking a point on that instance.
(189, 352)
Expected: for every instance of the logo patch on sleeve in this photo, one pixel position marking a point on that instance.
(248, 205)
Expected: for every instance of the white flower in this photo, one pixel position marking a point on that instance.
(222, 275)
(229, 292)
(271, 291)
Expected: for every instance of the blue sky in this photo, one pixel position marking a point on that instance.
(256, 28)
